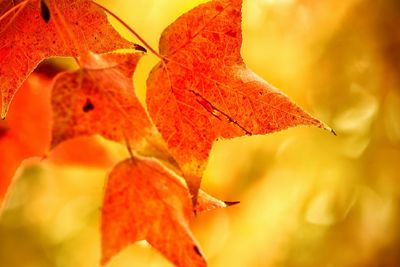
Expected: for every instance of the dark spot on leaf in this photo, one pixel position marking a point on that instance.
(44, 11)
(235, 13)
(196, 249)
(3, 131)
(219, 8)
(88, 106)
(216, 37)
(231, 33)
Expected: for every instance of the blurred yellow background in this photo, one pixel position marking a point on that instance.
(308, 198)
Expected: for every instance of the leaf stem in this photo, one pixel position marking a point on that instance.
(151, 49)
(128, 146)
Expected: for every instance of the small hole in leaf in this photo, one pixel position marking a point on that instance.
(44, 11)
(88, 106)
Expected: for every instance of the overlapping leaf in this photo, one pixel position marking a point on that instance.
(144, 201)
(73, 28)
(100, 99)
(26, 133)
(202, 89)
(199, 92)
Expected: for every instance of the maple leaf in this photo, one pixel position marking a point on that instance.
(26, 133)
(100, 99)
(26, 38)
(144, 201)
(202, 89)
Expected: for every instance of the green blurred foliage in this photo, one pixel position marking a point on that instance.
(307, 198)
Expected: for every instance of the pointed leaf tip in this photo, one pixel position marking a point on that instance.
(329, 129)
(207, 91)
(231, 203)
(140, 48)
(144, 201)
(100, 37)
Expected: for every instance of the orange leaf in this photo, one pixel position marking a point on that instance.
(73, 27)
(202, 90)
(87, 152)
(100, 99)
(26, 132)
(144, 201)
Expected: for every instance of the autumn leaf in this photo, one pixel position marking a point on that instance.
(144, 201)
(202, 89)
(85, 151)
(100, 99)
(26, 132)
(26, 38)
(91, 151)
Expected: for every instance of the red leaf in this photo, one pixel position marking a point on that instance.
(26, 132)
(144, 201)
(100, 99)
(202, 90)
(74, 27)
